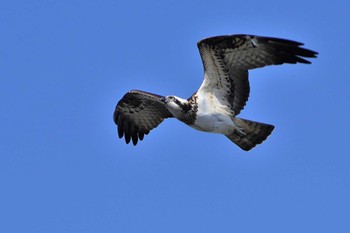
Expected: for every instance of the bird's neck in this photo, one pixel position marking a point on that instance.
(189, 110)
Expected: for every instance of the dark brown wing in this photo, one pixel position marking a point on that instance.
(227, 59)
(137, 113)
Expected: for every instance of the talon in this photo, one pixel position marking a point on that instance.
(239, 132)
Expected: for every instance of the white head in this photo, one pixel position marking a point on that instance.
(176, 105)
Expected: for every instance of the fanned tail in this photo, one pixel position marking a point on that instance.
(250, 133)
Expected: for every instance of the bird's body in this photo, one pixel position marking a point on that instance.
(223, 94)
(210, 116)
(217, 121)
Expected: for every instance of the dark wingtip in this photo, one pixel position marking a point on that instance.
(115, 116)
(120, 124)
(127, 135)
(127, 130)
(134, 139)
(133, 134)
(120, 132)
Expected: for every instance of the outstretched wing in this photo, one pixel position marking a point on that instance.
(137, 113)
(227, 59)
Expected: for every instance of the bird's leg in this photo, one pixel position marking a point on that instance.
(238, 130)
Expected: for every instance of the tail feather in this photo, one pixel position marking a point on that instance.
(250, 133)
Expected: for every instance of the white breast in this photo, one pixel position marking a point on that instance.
(213, 116)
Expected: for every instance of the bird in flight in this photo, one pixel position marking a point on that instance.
(222, 95)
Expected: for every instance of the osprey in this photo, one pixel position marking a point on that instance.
(221, 97)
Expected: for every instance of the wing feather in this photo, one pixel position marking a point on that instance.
(227, 59)
(137, 113)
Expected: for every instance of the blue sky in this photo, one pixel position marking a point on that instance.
(64, 66)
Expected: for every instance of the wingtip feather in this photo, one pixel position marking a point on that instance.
(120, 124)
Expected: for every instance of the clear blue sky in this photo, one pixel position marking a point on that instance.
(65, 64)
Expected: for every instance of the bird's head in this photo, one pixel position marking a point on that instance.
(176, 105)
